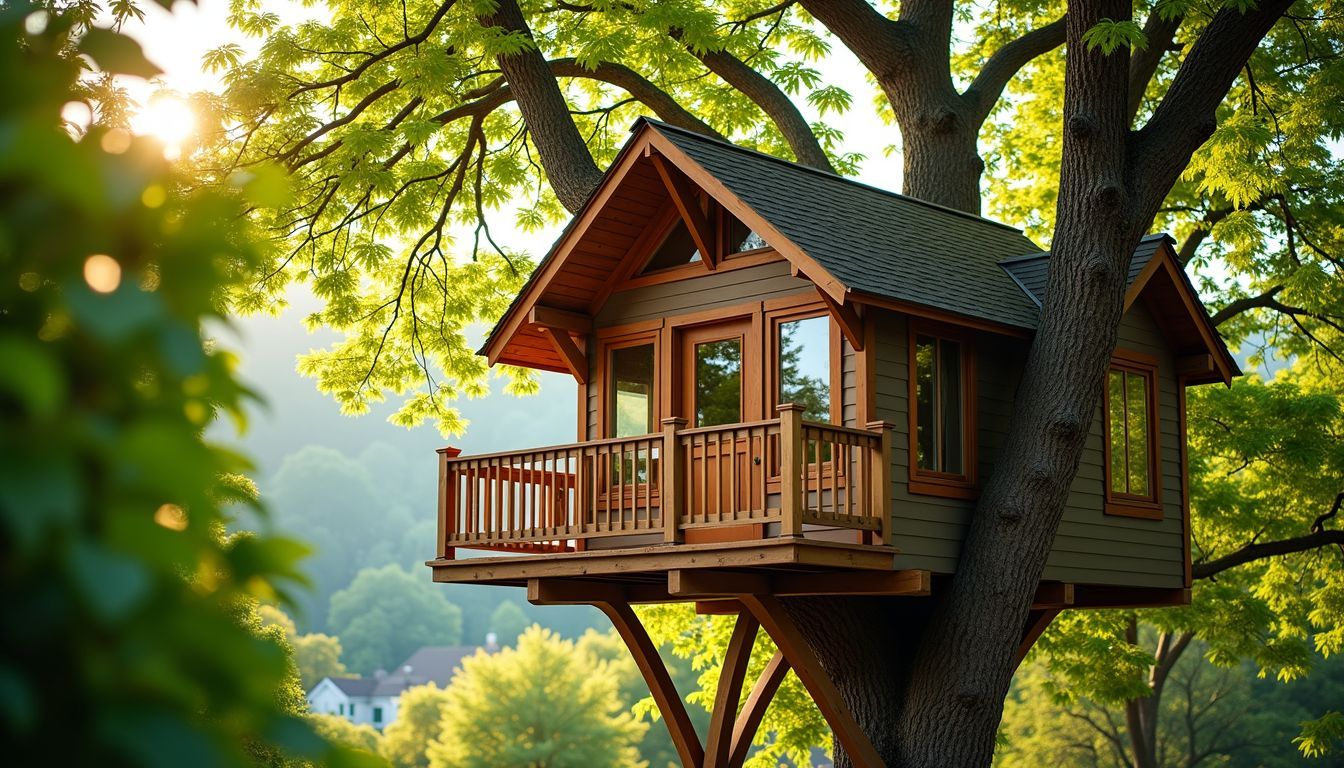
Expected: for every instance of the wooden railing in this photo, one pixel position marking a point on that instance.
(784, 470)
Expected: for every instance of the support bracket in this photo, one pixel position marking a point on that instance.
(688, 205)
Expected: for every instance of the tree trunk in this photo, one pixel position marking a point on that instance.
(941, 161)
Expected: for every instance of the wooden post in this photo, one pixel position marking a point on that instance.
(881, 474)
(791, 458)
(670, 500)
(447, 501)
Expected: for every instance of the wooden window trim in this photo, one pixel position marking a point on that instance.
(1124, 504)
(667, 219)
(788, 310)
(622, 339)
(925, 482)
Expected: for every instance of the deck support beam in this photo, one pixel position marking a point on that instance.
(762, 693)
(1038, 620)
(705, 583)
(719, 740)
(655, 674)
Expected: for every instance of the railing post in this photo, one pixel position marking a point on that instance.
(791, 458)
(670, 484)
(447, 501)
(881, 491)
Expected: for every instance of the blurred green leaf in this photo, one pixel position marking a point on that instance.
(29, 373)
(117, 53)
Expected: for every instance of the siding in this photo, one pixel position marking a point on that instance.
(1090, 547)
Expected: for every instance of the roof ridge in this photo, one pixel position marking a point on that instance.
(1155, 236)
(660, 125)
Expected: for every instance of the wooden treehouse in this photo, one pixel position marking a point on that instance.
(792, 384)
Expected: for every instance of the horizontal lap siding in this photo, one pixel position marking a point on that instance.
(1090, 547)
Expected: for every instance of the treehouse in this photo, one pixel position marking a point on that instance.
(793, 384)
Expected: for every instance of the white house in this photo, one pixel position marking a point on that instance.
(374, 701)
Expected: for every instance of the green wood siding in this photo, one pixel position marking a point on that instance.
(1091, 547)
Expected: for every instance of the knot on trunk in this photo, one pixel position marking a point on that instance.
(970, 700)
(1110, 196)
(1065, 427)
(1098, 269)
(1082, 126)
(940, 119)
(1010, 514)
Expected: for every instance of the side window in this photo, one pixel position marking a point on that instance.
(630, 393)
(378, 715)
(803, 365)
(1130, 401)
(942, 432)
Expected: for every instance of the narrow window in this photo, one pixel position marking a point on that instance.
(1131, 461)
(631, 395)
(352, 710)
(940, 406)
(804, 359)
(378, 715)
(738, 237)
(342, 708)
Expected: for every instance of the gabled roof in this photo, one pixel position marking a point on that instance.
(855, 242)
(431, 664)
(353, 686)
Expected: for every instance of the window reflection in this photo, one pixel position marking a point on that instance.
(632, 390)
(1127, 419)
(718, 382)
(805, 366)
(939, 405)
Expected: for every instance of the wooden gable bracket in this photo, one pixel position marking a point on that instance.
(847, 317)
(558, 324)
(688, 205)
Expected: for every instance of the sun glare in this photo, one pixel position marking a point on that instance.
(168, 119)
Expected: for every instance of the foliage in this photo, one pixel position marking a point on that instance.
(352, 522)
(792, 726)
(386, 614)
(508, 622)
(656, 747)
(419, 722)
(315, 655)
(536, 704)
(338, 730)
(128, 635)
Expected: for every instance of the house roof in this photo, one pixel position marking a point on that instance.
(353, 686)
(431, 664)
(854, 241)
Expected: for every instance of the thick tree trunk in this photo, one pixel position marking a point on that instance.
(941, 161)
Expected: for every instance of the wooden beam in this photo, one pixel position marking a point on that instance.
(1194, 365)
(707, 583)
(847, 317)
(550, 317)
(1053, 594)
(562, 591)
(688, 205)
(655, 673)
(1037, 622)
(762, 693)
(1086, 596)
(718, 742)
(717, 607)
(575, 360)
(790, 642)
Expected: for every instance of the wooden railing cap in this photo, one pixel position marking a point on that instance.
(782, 407)
(878, 426)
(449, 451)
(678, 421)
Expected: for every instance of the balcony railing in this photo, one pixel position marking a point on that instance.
(799, 475)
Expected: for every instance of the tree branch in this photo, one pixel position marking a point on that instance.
(663, 105)
(1143, 62)
(1005, 64)
(1240, 306)
(564, 154)
(1319, 537)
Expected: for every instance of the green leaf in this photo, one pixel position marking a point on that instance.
(1110, 35)
(28, 372)
(116, 53)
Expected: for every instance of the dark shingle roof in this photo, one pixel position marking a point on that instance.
(431, 664)
(354, 686)
(1030, 271)
(874, 241)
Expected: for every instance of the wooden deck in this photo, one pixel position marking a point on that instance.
(781, 493)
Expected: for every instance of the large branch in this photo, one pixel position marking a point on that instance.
(1319, 537)
(1185, 118)
(987, 86)
(1158, 31)
(409, 42)
(564, 154)
(879, 42)
(641, 88)
(765, 94)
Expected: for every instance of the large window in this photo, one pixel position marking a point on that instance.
(941, 414)
(1131, 437)
(677, 248)
(631, 393)
(718, 382)
(803, 360)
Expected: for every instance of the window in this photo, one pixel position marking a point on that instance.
(1130, 402)
(738, 237)
(352, 710)
(803, 360)
(677, 248)
(342, 708)
(631, 391)
(718, 382)
(941, 420)
(378, 715)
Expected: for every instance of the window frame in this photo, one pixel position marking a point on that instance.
(606, 401)
(926, 482)
(666, 219)
(1128, 504)
(806, 310)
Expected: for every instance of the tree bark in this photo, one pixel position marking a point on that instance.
(564, 153)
